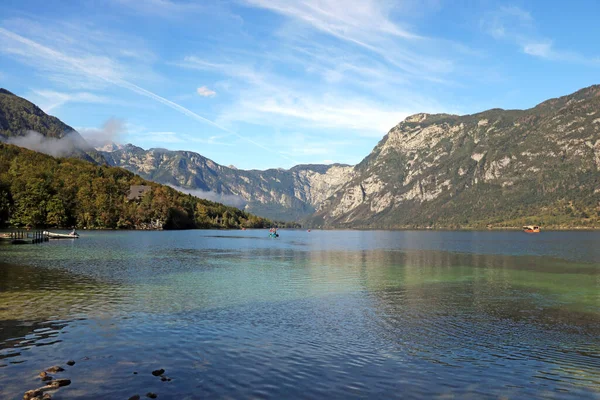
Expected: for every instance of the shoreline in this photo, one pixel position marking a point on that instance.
(437, 229)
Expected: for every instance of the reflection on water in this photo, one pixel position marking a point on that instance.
(342, 314)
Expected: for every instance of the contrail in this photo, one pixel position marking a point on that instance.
(97, 73)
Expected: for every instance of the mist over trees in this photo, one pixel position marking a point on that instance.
(38, 190)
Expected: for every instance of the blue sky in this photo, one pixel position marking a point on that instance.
(273, 83)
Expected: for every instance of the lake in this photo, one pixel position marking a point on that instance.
(321, 314)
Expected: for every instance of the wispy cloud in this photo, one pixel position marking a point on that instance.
(100, 53)
(268, 98)
(205, 92)
(363, 19)
(218, 140)
(163, 137)
(368, 25)
(161, 8)
(95, 68)
(50, 99)
(330, 67)
(227, 199)
(513, 24)
(310, 145)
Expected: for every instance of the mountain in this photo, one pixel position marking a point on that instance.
(275, 193)
(109, 147)
(498, 167)
(39, 190)
(20, 119)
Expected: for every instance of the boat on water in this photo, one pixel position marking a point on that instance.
(531, 229)
(52, 235)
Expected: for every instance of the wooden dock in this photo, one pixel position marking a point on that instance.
(23, 237)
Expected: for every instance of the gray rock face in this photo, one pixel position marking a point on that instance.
(491, 167)
(275, 193)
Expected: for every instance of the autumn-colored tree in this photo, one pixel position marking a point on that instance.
(40, 190)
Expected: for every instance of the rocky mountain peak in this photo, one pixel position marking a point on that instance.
(496, 165)
(110, 147)
(416, 118)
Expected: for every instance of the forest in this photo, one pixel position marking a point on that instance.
(37, 190)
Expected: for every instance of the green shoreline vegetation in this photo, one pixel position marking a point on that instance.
(38, 190)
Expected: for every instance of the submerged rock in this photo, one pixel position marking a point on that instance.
(31, 394)
(44, 376)
(158, 372)
(55, 369)
(135, 397)
(60, 383)
(151, 395)
(70, 363)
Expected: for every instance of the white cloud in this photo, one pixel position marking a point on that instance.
(55, 147)
(272, 99)
(205, 92)
(324, 112)
(161, 8)
(518, 26)
(50, 99)
(336, 17)
(111, 132)
(162, 137)
(102, 55)
(227, 199)
(543, 49)
(367, 25)
(330, 67)
(212, 140)
(96, 68)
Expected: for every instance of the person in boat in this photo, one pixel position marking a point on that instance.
(73, 232)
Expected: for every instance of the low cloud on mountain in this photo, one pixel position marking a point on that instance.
(64, 146)
(227, 199)
(110, 132)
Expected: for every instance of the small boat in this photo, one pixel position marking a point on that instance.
(53, 235)
(531, 229)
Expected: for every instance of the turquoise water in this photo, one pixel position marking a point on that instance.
(340, 314)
